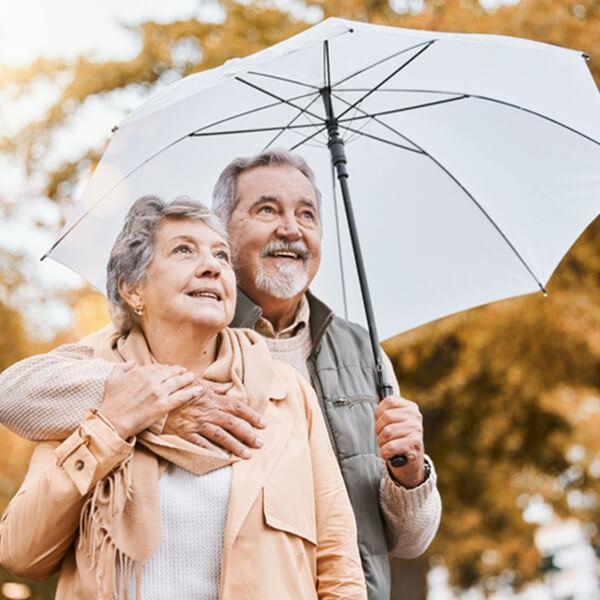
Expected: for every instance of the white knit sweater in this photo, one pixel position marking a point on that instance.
(193, 511)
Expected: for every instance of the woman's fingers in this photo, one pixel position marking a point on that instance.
(182, 396)
(178, 381)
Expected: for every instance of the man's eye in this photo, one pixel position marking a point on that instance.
(182, 249)
(308, 215)
(266, 210)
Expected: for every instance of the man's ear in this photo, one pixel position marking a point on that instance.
(131, 295)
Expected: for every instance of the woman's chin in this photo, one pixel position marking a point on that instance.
(210, 322)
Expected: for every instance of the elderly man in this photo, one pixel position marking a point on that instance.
(271, 207)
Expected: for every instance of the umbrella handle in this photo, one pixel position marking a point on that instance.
(400, 459)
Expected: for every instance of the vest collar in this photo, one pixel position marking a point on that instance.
(248, 312)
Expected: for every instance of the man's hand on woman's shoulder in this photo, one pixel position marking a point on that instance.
(218, 420)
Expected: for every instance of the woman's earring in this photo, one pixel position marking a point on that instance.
(139, 310)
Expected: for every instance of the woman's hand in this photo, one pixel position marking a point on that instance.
(135, 397)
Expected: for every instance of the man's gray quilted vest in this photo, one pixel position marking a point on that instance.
(342, 371)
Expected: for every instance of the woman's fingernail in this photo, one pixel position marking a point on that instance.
(262, 422)
(246, 454)
(258, 442)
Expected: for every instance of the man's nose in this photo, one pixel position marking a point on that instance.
(288, 228)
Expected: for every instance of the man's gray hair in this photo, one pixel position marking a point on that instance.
(224, 193)
(133, 249)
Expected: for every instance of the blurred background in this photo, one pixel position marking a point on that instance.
(510, 392)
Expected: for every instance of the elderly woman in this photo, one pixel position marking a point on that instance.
(122, 509)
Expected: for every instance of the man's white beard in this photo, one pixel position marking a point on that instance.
(286, 282)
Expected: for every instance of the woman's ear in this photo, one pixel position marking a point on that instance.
(131, 295)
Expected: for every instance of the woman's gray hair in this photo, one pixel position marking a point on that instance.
(134, 247)
(224, 193)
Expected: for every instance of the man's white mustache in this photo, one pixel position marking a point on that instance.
(299, 247)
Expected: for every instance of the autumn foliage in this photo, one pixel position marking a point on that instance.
(507, 390)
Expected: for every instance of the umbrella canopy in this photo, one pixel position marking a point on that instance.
(474, 160)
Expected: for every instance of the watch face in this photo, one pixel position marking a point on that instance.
(427, 467)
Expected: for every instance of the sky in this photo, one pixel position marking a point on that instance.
(66, 28)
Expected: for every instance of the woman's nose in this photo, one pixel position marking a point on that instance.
(208, 266)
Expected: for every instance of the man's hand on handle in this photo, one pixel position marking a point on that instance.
(399, 430)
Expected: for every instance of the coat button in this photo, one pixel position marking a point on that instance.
(79, 465)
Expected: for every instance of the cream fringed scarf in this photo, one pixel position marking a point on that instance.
(120, 521)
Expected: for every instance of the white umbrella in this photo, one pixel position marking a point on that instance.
(474, 160)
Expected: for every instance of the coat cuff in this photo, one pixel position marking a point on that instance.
(92, 451)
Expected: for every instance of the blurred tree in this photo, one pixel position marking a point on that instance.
(15, 451)
(509, 391)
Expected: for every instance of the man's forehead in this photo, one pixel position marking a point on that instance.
(276, 182)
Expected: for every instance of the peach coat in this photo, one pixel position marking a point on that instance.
(290, 532)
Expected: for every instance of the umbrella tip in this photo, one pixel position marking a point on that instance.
(115, 128)
(44, 257)
(544, 291)
(586, 56)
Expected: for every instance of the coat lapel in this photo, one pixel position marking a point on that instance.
(249, 476)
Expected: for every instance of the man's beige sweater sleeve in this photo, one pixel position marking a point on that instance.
(413, 515)
(46, 397)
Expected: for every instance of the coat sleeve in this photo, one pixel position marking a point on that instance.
(45, 397)
(41, 521)
(339, 571)
(411, 516)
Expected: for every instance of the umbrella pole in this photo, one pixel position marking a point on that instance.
(339, 161)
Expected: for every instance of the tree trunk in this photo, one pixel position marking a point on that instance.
(409, 579)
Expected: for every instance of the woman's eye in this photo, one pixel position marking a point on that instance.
(222, 255)
(182, 249)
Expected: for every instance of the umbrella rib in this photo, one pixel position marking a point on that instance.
(386, 79)
(464, 189)
(380, 139)
(115, 186)
(307, 139)
(175, 142)
(409, 90)
(537, 114)
(383, 124)
(486, 99)
(283, 100)
(251, 111)
(286, 79)
(489, 218)
(288, 126)
(366, 115)
(253, 130)
(381, 61)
